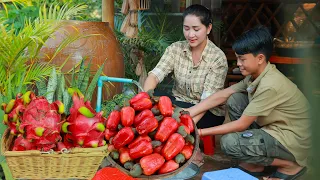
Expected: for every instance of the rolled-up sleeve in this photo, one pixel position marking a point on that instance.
(242, 85)
(165, 65)
(215, 78)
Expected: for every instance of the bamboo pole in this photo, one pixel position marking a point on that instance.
(108, 12)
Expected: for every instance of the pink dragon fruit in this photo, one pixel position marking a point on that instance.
(84, 124)
(41, 122)
(13, 111)
(22, 144)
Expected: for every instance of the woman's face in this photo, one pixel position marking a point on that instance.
(194, 31)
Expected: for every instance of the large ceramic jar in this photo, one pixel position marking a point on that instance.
(101, 45)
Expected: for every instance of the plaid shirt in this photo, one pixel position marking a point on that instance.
(194, 83)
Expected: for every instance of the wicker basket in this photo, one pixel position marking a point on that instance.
(79, 163)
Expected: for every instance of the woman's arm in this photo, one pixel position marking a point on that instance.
(162, 69)
(151, 82)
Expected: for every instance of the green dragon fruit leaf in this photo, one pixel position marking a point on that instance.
(81, 74)
(42, 87)
(66, 101)
(52, 85)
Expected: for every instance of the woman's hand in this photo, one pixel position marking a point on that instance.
(151, 82)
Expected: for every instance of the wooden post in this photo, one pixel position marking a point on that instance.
(108, 12)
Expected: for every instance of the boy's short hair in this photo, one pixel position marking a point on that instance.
(256, 40)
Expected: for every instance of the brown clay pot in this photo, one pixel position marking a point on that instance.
(100, 47)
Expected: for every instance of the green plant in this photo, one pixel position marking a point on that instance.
(154, 36)
(20, 64)
(57, 86)
(16, 11)
(117, 100)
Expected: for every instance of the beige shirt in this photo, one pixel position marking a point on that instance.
(194, 83)
(282, 110)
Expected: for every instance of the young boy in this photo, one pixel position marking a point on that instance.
(269, 114)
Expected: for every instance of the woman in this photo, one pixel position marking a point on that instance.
(199, 67)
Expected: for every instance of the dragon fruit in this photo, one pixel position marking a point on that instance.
(35, 121)
(22, 144)
(84, 124)
(41, 122)
(13, 111)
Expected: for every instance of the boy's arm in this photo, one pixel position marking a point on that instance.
(211, 102)
(235, 126)
(197, 118)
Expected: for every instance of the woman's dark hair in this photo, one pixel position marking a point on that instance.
(256, 40)
(200, 11)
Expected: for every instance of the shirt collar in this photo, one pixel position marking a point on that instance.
(187, 48)
(253, 85)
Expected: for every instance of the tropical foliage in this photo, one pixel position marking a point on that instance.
(154, 36)
(16, 11)
(20, 57)
(20, 65)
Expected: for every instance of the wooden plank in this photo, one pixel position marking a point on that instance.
(236, 20)
(288, 60)
(286, 21)
(310, 19)
(242, 24)
(272, 16)
(254, 16)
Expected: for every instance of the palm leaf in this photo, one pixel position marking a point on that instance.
(19, 89)
(37, 72)
(14, 2)
(19, 51)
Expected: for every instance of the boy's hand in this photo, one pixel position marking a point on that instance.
(186, 109)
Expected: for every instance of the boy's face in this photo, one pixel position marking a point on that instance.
(249, 64)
